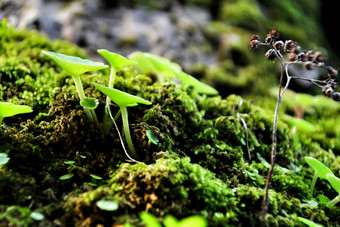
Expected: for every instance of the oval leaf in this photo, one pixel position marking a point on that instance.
(121, 98)
(37, 216)
(8, 109)
(320, 169)
(74, 65)
(197, 85)
(116, 61)
(66, 176)
(108, 205)
(3, 158)
(152, 137)
(96, 177)
(89, 103)
(334, 181)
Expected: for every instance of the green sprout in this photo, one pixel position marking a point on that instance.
(123, 100)
(116, 61)
(166, 69)
(162, 67)
(320, 170)
(8, 109)
(197, 85)
(76, 66)
(335, 183)
(152, 137)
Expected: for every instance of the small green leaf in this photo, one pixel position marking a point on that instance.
(69, 162)
(323, 199)
(308, 222)
(82, 156)
(8, 109)
(66, 176)
(121, 98)
(197, 85)
(96, 177)
(152, 136)
(334, 181)
(170, 221)
(194, 220)
(37, 216)
(149, 220)
(116, 61)
(74, 65)
(320, 169)
(89, 103)
(107, 205)
(3, 158)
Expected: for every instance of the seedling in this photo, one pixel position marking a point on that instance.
(152, 137)
(123, 100)
(8, 109)
(162, 67)
(76, 66)
(320, 170)
(335, 183)
(197, 85)
(116, 61)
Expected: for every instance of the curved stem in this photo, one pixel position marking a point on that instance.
(120, 137)
(265, 204)
(334, 201)
(126, 129)
(81, 94)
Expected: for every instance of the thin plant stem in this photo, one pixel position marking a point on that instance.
(120, 137)
(315, 177)
(126, 128)
(81, 94)
(334, 201)
(1, 119)
(111, 83)
(265, 204)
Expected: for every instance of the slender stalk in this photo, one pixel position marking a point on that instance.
(126, 128)
(334, 201)
(1, 119)
(315, 177)
(111, 83)
(91, 114)
(120, 137)
(265, 203)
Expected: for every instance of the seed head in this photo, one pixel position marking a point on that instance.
(278, 45)
(336, 96)
(332, 73)
(255, 37)
(289, 46)
(254, 44)
(302, 57)
(309, 65)
(274, 34)
(328, 90)
(271, 55)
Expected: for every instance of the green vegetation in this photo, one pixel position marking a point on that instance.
(56, 168)
(9, 110)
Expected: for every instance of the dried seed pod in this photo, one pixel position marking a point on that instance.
(336, 96)
(310, 55)
(289, 46)
(328, 91)
(278, 45)
(292, 57)
(255, 37)
(309, 65)
(271, 55)
(274, 34)
(332, 73)
(302, 57)
(318, 57)
(268, 39)
(254, 44)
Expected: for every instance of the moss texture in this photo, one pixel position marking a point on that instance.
(200, 165)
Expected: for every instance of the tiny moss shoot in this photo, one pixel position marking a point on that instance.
(76, 66)
(123, 100)
(8, 109)
(320, 170)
